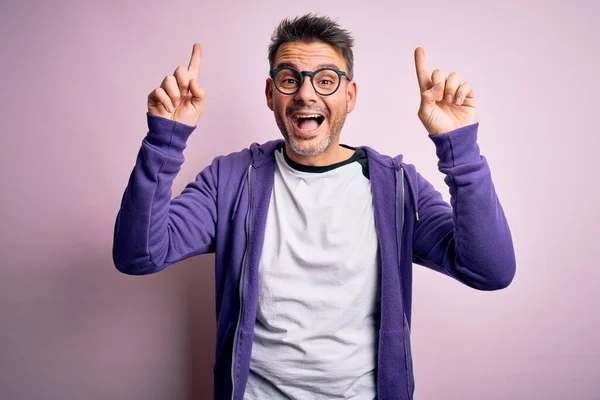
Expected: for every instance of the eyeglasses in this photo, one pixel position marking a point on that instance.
(325, 81)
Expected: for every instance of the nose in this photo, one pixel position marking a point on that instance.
(306, 93)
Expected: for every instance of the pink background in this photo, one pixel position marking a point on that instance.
(75, 76)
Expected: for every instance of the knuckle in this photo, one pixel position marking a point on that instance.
(181, 73)
(168, 79)
(464, 88)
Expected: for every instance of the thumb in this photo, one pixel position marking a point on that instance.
(432, 95)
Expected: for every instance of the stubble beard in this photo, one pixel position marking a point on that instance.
(299, 146)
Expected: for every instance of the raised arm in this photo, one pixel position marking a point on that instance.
(151, 230)
(469, 240)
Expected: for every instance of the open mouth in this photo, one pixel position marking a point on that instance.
(308, 122)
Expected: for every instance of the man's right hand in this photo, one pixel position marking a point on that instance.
(179, 97)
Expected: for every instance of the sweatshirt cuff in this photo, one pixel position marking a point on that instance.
(457, 147)
(167, 134)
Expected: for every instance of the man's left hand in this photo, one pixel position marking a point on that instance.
(447, 103)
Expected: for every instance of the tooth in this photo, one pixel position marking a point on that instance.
(308, 116)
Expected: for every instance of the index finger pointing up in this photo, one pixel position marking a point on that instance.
(194, 66)
(421, 67)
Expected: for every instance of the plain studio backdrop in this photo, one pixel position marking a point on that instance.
(75, 78)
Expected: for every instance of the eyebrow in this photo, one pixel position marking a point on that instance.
(292, 65)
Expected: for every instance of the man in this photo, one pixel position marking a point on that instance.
(314, 239)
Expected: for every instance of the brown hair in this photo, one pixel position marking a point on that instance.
(311, 28)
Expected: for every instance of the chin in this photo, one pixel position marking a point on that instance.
(306, 140)
(308, 143)
(310, 147)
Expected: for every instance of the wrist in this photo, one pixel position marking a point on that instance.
(458, 146)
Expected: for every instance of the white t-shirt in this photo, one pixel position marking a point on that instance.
(316, 326)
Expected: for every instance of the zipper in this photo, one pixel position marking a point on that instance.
(409, 364)
(242, 279)
(399, 238)
(402, 205)
(400, 228)
(398, 231)
(239, 197)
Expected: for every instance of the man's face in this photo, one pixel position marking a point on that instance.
(308, 138)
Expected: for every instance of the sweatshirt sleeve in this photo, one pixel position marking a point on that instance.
(469, 240)
(151, 230)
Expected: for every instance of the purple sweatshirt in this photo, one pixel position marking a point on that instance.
(224, 212)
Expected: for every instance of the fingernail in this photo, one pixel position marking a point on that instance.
(449, 98)
(458, 100)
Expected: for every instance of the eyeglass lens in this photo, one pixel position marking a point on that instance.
(325, 81)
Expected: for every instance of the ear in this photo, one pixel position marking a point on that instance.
(351, 93)
(269, 93)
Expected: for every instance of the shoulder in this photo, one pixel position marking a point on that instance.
(385, 160)
(255, 154)
(396, 162)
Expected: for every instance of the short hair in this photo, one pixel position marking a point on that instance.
(311, 28)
